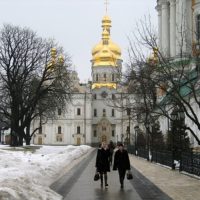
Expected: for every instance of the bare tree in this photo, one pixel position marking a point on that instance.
(32, 81)
(175, 80)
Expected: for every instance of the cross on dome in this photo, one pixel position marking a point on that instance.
(106, 4)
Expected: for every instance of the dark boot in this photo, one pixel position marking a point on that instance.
(101, 177)
(105, 178)
(122, 183)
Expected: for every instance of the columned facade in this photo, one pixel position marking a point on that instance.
(175, 26)
(179, 38)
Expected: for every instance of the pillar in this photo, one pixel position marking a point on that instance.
(172, 28)
(165, 28)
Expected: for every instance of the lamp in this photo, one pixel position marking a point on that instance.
(136, 128)
(174, 114)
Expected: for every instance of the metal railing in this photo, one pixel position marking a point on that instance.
(162, 157)
(190, 163)
(141, 152)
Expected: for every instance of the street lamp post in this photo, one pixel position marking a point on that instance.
(177, 116)
(148, 146)
(129, 125)
(136, 133)
(122, 136)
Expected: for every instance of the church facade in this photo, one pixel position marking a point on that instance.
(91, 116)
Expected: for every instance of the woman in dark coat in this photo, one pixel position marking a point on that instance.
(121, 162)
(102, 162)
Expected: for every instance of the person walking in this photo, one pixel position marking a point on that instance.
(102, 163)
(121, 162)
(111, 147)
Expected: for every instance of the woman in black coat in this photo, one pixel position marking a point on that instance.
(102, 162)
(121, 162)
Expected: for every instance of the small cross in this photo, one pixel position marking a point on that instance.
(106, 3)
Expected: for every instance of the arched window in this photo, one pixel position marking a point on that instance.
(59, 130)
(97, 77)
(113, 133)
(113, 112)
(113, 96)
(59, 111)
(78, 111)
(78, 129)
(40, 130)
(95, 133)
(113, 77)
(104, 77)
(104, 112)
(95, 112)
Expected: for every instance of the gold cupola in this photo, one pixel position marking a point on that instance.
(106, 53)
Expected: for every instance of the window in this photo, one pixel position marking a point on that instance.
(198, 27)
(95, 133)
(104, 76)
(128, 128)
(113, 96)
(59, 130)
(113, 133)
(97, 77)
(113, 77)
(59, 111)
(78, 111)
(95, 112)
(40, 130)
(128, 111)
(59, 138)
(113, 112)
(95, 96)
(78, 129)
(103, 128)
(104, 112)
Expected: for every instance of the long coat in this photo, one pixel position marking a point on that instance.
(121, 160)
(102, 160)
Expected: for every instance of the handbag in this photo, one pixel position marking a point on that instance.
(96, 176)
(129, 175)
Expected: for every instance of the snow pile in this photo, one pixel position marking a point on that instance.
(27, 175)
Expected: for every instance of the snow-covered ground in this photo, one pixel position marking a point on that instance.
(26, 175)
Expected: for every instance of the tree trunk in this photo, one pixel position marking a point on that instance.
(28, 136)
(20, 140)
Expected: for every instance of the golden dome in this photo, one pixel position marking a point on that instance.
(106, 52)
(97, 48)
(104, 57)
(114, 48)
(53, 52)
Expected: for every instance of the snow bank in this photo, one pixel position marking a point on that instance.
(27, 175)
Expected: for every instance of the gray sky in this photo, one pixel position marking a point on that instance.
(76, 24)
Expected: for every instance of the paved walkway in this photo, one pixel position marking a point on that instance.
(78, 184)
(176, 185)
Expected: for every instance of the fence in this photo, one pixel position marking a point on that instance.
(141, 152)
(190, 163)
(162, 157)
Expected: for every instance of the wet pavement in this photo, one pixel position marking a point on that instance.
(78, 184)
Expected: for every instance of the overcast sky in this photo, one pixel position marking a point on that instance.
(76, 24)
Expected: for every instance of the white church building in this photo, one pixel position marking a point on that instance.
(90, 117)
